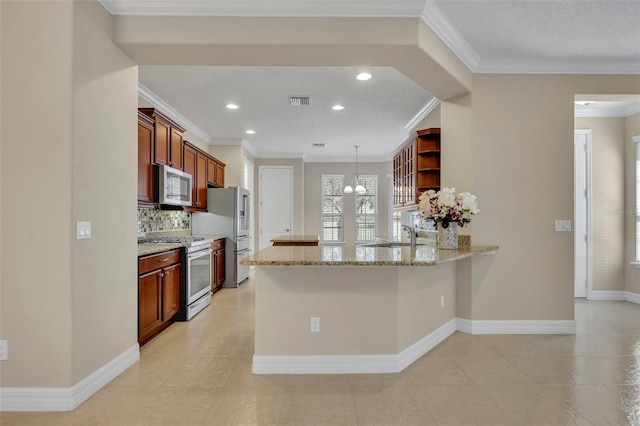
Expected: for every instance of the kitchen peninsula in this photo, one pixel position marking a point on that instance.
(352, 309)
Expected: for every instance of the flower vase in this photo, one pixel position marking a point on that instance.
(448, 237)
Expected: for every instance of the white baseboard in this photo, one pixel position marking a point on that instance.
(607, 295)
(615, 295)
(516, 327)
(66, 399)
(632, 297)
(352, 364)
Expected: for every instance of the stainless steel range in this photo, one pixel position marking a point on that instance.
(197, 289)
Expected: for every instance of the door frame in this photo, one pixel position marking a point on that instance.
(589, 242)
(260, 188)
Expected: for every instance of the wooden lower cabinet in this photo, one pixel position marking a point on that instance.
(149, 305)
(159, 292)
(217, 265)
(171, 291)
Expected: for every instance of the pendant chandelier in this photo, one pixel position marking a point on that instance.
(359, 188)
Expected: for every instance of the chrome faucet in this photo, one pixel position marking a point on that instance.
(412, 234)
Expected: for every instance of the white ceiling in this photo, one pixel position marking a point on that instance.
(375, 111)
(515, 36)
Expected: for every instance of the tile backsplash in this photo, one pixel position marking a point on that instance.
(151, 220)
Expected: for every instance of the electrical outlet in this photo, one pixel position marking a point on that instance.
(315, 324)
(563, 226)
(442, 301)
(4, 354)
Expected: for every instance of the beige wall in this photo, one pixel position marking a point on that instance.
(104, 190)
(387, 309)
(298, 191)
(313, 196)
(37, 206)
(70, 96)
(520, 137)
(631, 273)
(607, 166)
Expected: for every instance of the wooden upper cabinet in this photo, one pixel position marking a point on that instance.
(220, 174)
(196, 164)
(416, 167)
(200, 180)
(215, 173)
(190, 164)
(176, 146)
(162, 138)
(145, 159)
(169, 141)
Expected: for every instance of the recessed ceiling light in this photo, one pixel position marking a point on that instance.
(250, 132)
(232, 106)
(337, 107)
(363, 76)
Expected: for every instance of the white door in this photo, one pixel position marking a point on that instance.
(581, 212)
(275, 203)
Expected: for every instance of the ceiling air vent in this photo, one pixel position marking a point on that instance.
(319, 145)
(297, 101)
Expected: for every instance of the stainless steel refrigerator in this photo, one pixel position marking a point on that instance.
(228, 215)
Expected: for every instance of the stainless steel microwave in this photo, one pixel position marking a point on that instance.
(174, 186)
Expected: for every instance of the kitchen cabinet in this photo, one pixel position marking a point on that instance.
(215, 173)
(416, 167)
(159, 290)
(168, 139)
(146, 196)
(217, 265)
(196, 164)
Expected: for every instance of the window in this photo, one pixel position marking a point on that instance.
(636, 139)
(396, 234)
(332, 229)
(366, 209)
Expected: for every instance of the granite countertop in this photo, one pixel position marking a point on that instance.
(145, 249)
(421, 255)
(297, 239)
(151, 248)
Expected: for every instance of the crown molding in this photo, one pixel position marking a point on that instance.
(249, 147)
(435, 19)
(273, 8)
(632, 109)
(422, 114)
(595, 110)
(542, 66)
(171, 112)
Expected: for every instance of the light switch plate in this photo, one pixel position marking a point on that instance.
(83, 230)
(563, 226)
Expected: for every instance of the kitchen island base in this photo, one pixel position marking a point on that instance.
(372, 320)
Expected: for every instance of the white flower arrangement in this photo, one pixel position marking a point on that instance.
(445, 206)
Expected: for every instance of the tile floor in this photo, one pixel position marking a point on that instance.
(199, 373)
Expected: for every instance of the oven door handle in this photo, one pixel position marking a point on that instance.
(243, 252)
(199, 254)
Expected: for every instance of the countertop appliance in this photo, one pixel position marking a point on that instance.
(229, 215)
(173, 186)
(196, 293)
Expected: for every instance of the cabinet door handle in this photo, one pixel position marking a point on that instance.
(165, 260)
(161, 274)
